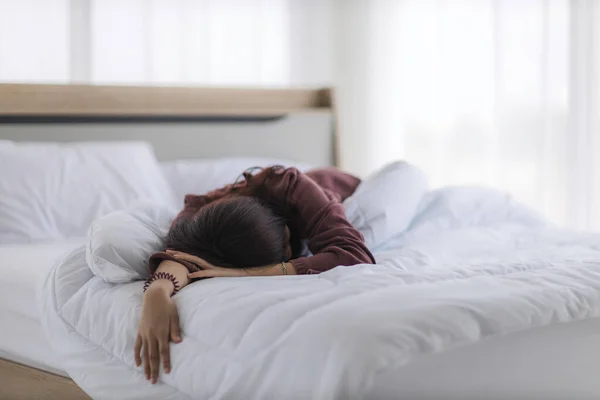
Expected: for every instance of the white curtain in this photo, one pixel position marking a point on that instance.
(495, 92)
(34, 38)
(201, 42)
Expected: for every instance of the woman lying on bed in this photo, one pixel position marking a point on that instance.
(256, 227)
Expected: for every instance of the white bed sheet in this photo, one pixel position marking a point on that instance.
(22, 269)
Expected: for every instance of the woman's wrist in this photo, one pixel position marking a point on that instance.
(286, 268)
(169, 278)
(290, 269)
(164, 286)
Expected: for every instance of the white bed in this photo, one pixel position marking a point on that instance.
(480, 300)
(477, 298)
(553, 362)
(23, 270)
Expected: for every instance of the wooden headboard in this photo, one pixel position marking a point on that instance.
(181, 122)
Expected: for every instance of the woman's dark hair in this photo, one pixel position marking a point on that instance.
(236, 232)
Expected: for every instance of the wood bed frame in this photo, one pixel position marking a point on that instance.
(26, 383)
(46, 103)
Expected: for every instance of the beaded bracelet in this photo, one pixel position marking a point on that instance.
(162, 275)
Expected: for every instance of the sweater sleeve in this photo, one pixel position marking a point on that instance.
(333, 242)
(322, 220)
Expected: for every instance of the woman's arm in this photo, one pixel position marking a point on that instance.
(208, 270)
(332, 240)
(320, 218)
(159, 322)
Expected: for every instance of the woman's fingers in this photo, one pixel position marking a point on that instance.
(196, 260)
(165, 356)
(190, 258)
(137, 350)
(174, 328)
(154, 355)
(146, 359)
(205, 273)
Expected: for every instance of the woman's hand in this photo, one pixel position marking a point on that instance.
(158, 324)
(208, 270)
(214, 271)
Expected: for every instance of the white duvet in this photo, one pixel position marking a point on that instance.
(471, 265)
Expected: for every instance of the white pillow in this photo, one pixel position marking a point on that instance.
(121, 242)
(462, 206)
(203, 175)
(51, 190)
(385, 203)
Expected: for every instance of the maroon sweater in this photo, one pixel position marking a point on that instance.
(314, 206)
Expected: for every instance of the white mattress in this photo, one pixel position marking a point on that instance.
(22, 269)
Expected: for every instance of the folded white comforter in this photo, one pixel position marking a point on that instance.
(471, 265)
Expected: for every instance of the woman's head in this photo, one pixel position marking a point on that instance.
(237, 231)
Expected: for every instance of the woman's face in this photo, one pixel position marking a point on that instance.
(288, 243)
